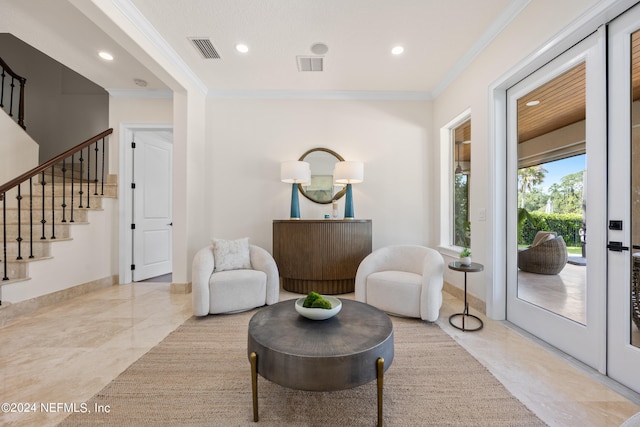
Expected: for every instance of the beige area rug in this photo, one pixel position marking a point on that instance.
(200, 375)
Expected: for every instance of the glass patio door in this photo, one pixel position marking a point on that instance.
(624, 200)
(556, 198)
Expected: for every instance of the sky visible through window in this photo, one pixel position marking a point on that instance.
(561, 168)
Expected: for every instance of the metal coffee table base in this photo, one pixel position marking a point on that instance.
(253, 358)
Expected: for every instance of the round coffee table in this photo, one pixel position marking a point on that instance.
(350, 349)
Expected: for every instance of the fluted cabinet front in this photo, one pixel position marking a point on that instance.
(320, 255)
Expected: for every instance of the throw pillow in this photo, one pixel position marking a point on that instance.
(231, 254)
(543, 236)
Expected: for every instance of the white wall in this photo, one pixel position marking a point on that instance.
(134, 110)
(247, 140)
(537, 23)
(62, 108)
(18, 151)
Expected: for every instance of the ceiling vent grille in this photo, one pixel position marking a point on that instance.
(310, 63)
(205, 47)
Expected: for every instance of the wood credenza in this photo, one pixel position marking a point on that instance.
(320, 255)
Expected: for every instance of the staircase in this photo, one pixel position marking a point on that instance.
(41, 207)
(28, 239)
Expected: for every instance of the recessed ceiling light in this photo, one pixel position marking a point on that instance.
(397, 50)
(242, 48)
(106, 56)
(140, 82)
(532, 103)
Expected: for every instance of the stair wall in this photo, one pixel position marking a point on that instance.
(90, 255)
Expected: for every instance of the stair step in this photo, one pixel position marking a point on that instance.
(12, 280)
(57, 201)
(62, 231)
(19, 270)
(79, 215)
(41, 248)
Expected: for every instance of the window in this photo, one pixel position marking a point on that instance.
(461, 140)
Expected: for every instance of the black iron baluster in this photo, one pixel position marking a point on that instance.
(2, 89)
(80, 193)
(95, 176)
(102, 180)
(53, 203)
(73, 179)
(11, 97)
(64, 190)
(43, 221)
(31, 217)
(88, 175)
(4, 235)
(19, 238)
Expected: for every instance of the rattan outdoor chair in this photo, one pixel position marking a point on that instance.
(548, 257)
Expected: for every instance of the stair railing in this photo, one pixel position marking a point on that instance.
(5, 69)
(83, 176)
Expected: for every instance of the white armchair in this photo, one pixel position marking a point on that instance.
(405, 280)
(233, 290)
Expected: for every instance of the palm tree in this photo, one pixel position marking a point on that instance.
(528, 178)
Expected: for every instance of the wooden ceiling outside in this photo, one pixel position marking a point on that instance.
(462, 134)
(562, 100)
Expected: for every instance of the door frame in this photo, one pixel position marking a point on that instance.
(125, 214)
(585, 342)
(496, 251)
(622, 354)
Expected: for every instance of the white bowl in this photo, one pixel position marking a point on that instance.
(319, 313)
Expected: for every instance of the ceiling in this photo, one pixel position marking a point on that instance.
(440, 38)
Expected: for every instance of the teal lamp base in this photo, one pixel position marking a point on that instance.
(348, 204)
(295, 204)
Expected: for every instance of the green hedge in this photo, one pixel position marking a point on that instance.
(566, 225)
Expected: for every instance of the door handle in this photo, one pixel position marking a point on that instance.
(617, 247)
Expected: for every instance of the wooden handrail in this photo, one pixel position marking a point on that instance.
(39, 169)
(22, 81)
(10, 71)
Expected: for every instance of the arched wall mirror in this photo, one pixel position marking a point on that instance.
(321, 188)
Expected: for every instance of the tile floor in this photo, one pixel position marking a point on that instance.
(69, 352)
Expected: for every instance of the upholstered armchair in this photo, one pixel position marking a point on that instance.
(219, 286)
(404, 280)
(546, 255)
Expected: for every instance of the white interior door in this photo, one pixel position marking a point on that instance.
(565, 309)
(624, 199)
(152, 233)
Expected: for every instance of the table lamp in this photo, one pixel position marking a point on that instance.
(295, 172)
(348, 173)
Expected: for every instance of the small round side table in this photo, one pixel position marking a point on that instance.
(473, 268)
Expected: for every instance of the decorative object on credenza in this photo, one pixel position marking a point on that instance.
(465, 257)
(295, 172)
(348, 172)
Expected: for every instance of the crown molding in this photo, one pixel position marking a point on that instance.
(496, 27)
(131, 12)
(319, 94)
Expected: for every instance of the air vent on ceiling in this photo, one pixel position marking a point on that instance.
(205, 47)
(310, 63)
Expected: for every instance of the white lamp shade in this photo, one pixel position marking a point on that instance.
(295, 172)
(348, 172)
